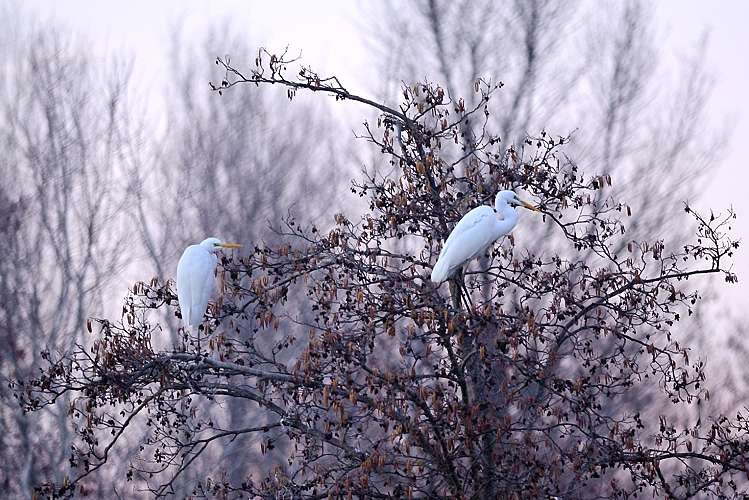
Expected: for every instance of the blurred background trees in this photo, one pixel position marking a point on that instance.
(95, 190)
(97, 187)
(63, 200)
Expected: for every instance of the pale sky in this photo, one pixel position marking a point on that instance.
(328, 33)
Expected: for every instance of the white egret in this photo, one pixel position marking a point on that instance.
(196, 280)
(476, 231)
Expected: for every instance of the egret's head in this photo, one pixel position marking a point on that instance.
(215, 244)
(509, 197)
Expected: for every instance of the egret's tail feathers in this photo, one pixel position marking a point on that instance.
(440, 271)
(186, 317)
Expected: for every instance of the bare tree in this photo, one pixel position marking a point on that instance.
(400, 391)
(589, 69)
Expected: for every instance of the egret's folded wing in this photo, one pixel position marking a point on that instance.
(203, 284)
(209, 286)
(471, 235)
(471, 220)
(195, 281)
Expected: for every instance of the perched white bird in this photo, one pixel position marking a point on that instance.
(196, 280)
(476, 231)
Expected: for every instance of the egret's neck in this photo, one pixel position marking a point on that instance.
(507, 217)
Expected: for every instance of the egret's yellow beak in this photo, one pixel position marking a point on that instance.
(230, 245)
(528, 205)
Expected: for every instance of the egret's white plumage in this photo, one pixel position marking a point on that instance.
(475, 232)
(196, 280)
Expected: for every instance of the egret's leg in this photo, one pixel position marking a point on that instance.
(462, 290)
(466, 294)
(458, 291)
